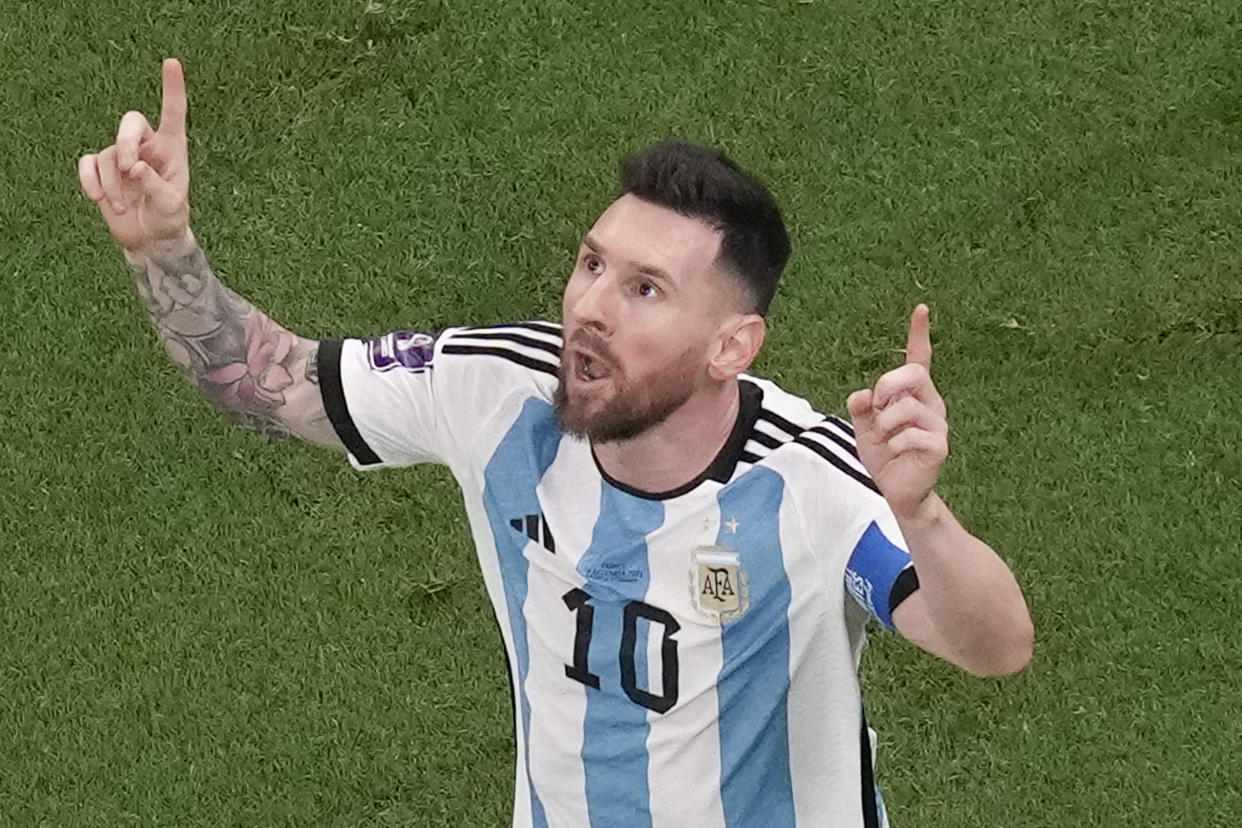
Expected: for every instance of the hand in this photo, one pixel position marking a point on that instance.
(900, 426)
(142, 182)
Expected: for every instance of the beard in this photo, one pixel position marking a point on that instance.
(628, 412)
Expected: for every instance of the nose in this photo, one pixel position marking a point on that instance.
(590, 304)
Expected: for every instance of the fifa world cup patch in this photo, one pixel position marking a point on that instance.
(410, 350)
(718, 583)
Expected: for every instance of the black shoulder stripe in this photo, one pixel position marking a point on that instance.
(840, 464)
(516, 338)
(780, 422)
(328, 362)
(824, 431)
(540, 327)
(512, 356)
(765, 440)
(747, 457)
(905, 585)
(841, 424)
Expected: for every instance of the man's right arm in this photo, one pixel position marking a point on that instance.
(256, 372)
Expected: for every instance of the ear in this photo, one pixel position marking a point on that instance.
(737, 345)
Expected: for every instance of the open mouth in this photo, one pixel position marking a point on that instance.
(589, 368)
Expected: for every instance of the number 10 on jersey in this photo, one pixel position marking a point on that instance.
(579, 602)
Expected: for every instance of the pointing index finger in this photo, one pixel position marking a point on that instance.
(173, 108)
(918, 343)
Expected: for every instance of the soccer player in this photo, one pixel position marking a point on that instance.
(682, 557)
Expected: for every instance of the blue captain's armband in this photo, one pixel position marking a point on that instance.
(879, 575)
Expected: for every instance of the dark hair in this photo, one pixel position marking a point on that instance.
(704, 184)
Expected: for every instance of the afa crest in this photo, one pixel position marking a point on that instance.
(718, 583)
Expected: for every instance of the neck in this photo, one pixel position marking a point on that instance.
(677, 450)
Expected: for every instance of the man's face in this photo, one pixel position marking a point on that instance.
(642, 310)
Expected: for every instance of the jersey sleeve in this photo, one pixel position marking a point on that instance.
(411, 397)
(382, 398)
(856, 530)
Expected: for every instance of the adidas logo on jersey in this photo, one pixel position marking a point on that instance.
(536, 528)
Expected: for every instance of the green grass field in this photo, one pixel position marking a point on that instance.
(200, 627)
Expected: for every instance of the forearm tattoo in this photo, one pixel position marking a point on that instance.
(243, 361)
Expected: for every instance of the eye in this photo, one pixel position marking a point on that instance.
(593, 264)
(648, 290)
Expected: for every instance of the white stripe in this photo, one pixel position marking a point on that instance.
(683, 746)
(824, 703)
(557, 702)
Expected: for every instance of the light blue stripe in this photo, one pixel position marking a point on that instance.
(514, 470)
(614, 742)
(753, 686)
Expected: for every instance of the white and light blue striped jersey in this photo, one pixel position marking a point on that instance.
(681, 658)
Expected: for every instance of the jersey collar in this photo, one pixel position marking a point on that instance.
(750, 400)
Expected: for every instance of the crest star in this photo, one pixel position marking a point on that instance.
(732, 526)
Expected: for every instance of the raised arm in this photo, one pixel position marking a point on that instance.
(255, 371)
(969, 608)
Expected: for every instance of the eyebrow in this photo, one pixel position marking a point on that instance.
(649, 270)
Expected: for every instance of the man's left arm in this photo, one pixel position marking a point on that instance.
(968, 608)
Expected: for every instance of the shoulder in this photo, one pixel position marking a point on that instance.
(811, 447)
(534, 346)
(493, 379)
(464, 368)
(411, 396)
(490, 362)
(825, 485)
